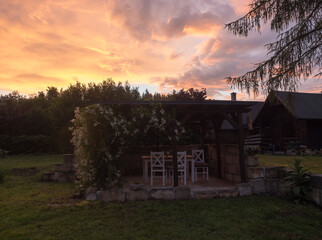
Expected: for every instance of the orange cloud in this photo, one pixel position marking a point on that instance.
(160, 43)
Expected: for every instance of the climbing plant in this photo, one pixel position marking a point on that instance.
(100, 132)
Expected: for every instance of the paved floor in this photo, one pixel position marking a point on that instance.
(203, 184)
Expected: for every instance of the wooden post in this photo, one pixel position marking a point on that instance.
(203, 124)
(218, 122)
(218, 151)
(175, 159)
(241, 147)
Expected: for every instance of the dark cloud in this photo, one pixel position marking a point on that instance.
(32, 77)
(13, 11)
(166, 19)
(174, 55)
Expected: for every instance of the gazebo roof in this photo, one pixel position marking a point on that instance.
(209, 105)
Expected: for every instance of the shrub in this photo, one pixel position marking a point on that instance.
(299, 181)
(252, 150)
(31, 144)
(99, 132)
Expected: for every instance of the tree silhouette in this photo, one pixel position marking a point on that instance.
(295, 55)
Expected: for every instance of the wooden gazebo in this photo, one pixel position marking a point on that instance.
(215, 111)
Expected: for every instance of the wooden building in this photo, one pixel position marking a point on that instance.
(229, 134)
(291, 118)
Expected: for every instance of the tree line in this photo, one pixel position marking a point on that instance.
(41, 123)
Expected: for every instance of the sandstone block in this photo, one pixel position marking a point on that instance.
(258, 185)
(245, 189)
(251, 161)
(164, 193)
(315, 196)
(228, 192)
(205, 194)
(90, 196)
(182, 193)
(62, 178)
(272, 185)
(62, 167)
(136, 186)
(317, 180)
(255, 172)
(111, 195)
(56, 176)
(136, 195)
(272, 172)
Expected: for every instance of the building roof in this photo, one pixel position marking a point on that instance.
(301, 105)
(255, 109)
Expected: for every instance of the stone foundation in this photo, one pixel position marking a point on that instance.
(63, 172)
(265, 179)
(166, 193)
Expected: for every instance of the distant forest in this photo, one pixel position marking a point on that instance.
(41, 123)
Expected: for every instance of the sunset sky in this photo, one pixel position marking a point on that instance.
(155, 44)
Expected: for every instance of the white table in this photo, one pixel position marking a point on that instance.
(146, 162)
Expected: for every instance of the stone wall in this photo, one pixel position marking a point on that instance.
(63, 172)
(134, 193)
(265, 179)
(316, 194)
(230, 166)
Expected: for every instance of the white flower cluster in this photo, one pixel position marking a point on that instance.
(100, 132)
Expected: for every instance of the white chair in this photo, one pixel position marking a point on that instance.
(200, 167)
(157, 167)
(182, 167)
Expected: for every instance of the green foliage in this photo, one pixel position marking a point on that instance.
(295, 55)
(98, 135)
(31, 144)
(48, 114)
(182, 95)
(299, 180)
(252, 150)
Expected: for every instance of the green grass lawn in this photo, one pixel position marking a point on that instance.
(313, 163)
(31, 209)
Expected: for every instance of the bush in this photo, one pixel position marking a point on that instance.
(252, 150)
(299, 181)
(100, 132)
(31, 144)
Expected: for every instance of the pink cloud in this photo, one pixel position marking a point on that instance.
(166, 19)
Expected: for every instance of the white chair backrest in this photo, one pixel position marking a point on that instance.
(181, 156)
(198, 156)
(157, 159)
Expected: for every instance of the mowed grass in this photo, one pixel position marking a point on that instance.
(31, 209)
(313, 163)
